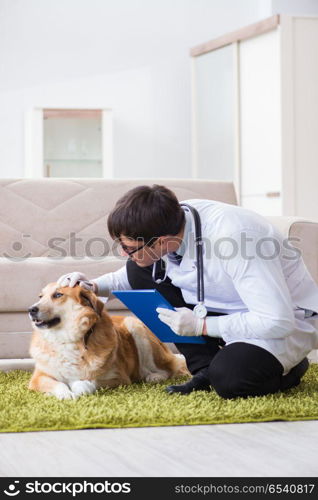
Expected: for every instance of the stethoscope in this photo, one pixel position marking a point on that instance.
(199, 310)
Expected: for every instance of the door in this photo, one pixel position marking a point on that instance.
(260, 123)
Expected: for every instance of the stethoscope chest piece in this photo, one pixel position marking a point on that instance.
(200, 311)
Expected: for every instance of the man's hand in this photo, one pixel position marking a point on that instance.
(76, 278)
(182, 321)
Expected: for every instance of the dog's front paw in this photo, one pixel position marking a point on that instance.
(61, 391)
(156, 377)
(80, 387)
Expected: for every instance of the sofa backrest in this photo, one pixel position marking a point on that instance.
(57, 217)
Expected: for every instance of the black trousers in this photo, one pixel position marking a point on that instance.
(238, 369)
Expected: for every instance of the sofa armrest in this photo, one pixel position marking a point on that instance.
(305, 237)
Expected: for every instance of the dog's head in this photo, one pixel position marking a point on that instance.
(74, 309)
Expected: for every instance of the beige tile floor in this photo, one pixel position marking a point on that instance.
(264, 449)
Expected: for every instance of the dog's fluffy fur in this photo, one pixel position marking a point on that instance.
(78, 347)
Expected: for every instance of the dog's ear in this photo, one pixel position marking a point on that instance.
(90, 299)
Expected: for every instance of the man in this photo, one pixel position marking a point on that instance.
(260, 298)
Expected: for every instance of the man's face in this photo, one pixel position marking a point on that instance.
(147, 254)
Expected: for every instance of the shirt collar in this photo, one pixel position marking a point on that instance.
(186, 233)
(187, 263)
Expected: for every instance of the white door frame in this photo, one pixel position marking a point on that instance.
(34, 164)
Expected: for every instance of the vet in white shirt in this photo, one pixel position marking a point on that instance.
(250, 273)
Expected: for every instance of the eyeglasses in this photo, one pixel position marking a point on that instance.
(131, 252)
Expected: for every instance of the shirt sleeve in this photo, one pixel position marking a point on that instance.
(257, 275)
(116, 280)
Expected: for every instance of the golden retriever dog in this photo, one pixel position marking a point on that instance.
(78, 347)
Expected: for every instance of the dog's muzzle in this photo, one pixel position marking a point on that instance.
(39, 322)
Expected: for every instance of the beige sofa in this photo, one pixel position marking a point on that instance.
(53, 226)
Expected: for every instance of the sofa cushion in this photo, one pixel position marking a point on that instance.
(56, 217)
(21, 281)
(304, 236)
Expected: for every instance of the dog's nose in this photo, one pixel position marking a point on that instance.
(33, 310)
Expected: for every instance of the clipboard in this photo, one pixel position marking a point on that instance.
(143, 304)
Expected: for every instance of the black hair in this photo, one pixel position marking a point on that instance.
(146, 212)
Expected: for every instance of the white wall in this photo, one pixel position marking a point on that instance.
(295, 7)
(129, 55)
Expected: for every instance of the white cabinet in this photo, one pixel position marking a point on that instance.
(72, 143)
(255, 114)
(63, 142)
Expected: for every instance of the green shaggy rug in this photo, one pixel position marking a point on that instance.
(143, 405)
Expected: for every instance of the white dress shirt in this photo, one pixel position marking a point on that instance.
(250, 273)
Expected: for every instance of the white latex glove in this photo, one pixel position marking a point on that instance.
(182, 321)
(77, 278)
